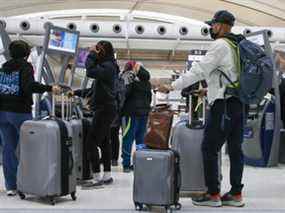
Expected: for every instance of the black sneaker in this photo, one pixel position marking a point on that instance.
(232, 200)
(108, 181)
(208, 200)
(92, 185)
(115, 163)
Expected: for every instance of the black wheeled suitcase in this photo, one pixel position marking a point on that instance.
(86, 166)
(81, 127)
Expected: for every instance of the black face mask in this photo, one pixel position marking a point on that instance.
(213, 35)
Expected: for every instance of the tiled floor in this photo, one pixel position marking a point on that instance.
(264, 192)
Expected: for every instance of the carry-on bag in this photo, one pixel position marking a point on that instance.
(187, 137)
(80, 127)
(46, 166)
(159, 128)
(156, 179)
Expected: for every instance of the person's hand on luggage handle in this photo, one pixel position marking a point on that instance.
(201, 92)
(70, 93)
(56, 89)
(165, 88)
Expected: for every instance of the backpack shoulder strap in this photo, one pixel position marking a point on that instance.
(236, 51)
(233, 84)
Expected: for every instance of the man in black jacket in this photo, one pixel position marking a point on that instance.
(135, 113)
(102, 66)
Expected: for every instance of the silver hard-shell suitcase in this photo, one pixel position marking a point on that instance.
(46, 165)
(156, 178)
(187, 137)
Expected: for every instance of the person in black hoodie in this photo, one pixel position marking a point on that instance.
(17, 85)
(102, 66)
(135, 112)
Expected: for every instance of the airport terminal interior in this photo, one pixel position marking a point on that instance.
(167, 39)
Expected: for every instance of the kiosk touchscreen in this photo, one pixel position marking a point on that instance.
(63, 40)
(60, 42)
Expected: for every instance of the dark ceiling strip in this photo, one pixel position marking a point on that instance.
(270, 5)
(134, 6)
(254, 9)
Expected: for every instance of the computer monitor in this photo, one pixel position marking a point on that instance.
(63, 40)
(81, 57)
(258, 38)
(195, 56)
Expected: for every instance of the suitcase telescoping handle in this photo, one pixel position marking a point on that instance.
(190, 113)
(66, 107)
(154, 97)
(160, 107)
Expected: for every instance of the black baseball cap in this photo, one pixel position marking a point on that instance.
(223, 17)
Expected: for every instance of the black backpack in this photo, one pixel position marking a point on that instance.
(120, 92)
(255, 71)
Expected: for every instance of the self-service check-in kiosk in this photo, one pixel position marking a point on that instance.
(62, 43)
(262, 130)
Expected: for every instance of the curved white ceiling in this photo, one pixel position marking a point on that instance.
(120, 14)
(248, 12)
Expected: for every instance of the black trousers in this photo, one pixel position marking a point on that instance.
(99, 137)
(115, 142)
(220, 128)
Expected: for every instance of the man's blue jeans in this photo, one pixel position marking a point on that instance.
(10, 124)
(134, 128)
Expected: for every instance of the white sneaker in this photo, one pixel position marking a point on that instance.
(93, 184)
(11, 193)
(97, 177)
(107, 178)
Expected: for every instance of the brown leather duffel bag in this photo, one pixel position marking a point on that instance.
(160, 122)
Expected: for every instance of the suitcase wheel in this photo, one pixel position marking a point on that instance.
(51, 201)
(178, 206)
(73, 196)
(22, 195)
(168, 209)
(138, 206)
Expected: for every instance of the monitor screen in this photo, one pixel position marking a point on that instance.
(258, 39)
(64, 41)
(81, 57)
(195, 56)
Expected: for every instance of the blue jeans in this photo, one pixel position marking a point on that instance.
(10, 124)
(134, 128)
